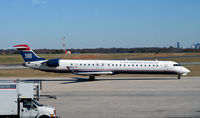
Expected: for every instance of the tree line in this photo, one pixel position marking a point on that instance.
(105, 50)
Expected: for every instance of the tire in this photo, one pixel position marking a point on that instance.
(44, 117)
(179, 76)
(91, 78)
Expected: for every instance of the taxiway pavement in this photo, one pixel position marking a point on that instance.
(122, 97)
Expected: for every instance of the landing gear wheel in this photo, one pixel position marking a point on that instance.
(91, 78)
(179, 76)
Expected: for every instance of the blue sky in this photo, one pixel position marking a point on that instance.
(99, 23)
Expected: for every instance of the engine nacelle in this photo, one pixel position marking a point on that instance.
(53, 62)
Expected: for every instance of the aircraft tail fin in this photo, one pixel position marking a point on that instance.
(27, 54)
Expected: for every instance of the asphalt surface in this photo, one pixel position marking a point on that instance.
(11, 66)
(134, 97)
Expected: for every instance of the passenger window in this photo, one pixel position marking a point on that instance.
(108, 64)
(112, 64)
(88, 64)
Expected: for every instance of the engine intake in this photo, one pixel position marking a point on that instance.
(53, 62)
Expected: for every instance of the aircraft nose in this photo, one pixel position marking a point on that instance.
(186, 70)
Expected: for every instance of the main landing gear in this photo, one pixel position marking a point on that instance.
(91, 77)
(179, 76)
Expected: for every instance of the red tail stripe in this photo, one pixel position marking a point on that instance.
(22, 47)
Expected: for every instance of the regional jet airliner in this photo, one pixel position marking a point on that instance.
(94, 68)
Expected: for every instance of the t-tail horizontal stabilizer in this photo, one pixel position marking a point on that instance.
(27, 54)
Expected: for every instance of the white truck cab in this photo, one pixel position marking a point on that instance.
(17, 99)
(32, 109)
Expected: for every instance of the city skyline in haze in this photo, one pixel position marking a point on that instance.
(99, 23)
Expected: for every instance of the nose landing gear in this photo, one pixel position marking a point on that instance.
(179, 76)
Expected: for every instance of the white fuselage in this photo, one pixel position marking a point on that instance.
(103, 67)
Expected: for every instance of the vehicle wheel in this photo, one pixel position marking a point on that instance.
(44, 117)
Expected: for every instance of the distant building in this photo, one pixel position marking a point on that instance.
(193, 46)
(197, 46)
(178, 46)
(3, 53)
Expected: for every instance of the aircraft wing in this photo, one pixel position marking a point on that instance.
(91, 72)
(94, 73)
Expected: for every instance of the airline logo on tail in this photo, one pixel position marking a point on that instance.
(27, 54)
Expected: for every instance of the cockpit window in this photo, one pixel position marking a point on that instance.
(177, 64)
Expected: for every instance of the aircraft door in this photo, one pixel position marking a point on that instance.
(76, 65)
(166, 67)
(97, 66)
(100, 65)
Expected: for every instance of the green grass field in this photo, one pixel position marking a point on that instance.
(13, 59)
(7, 59)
